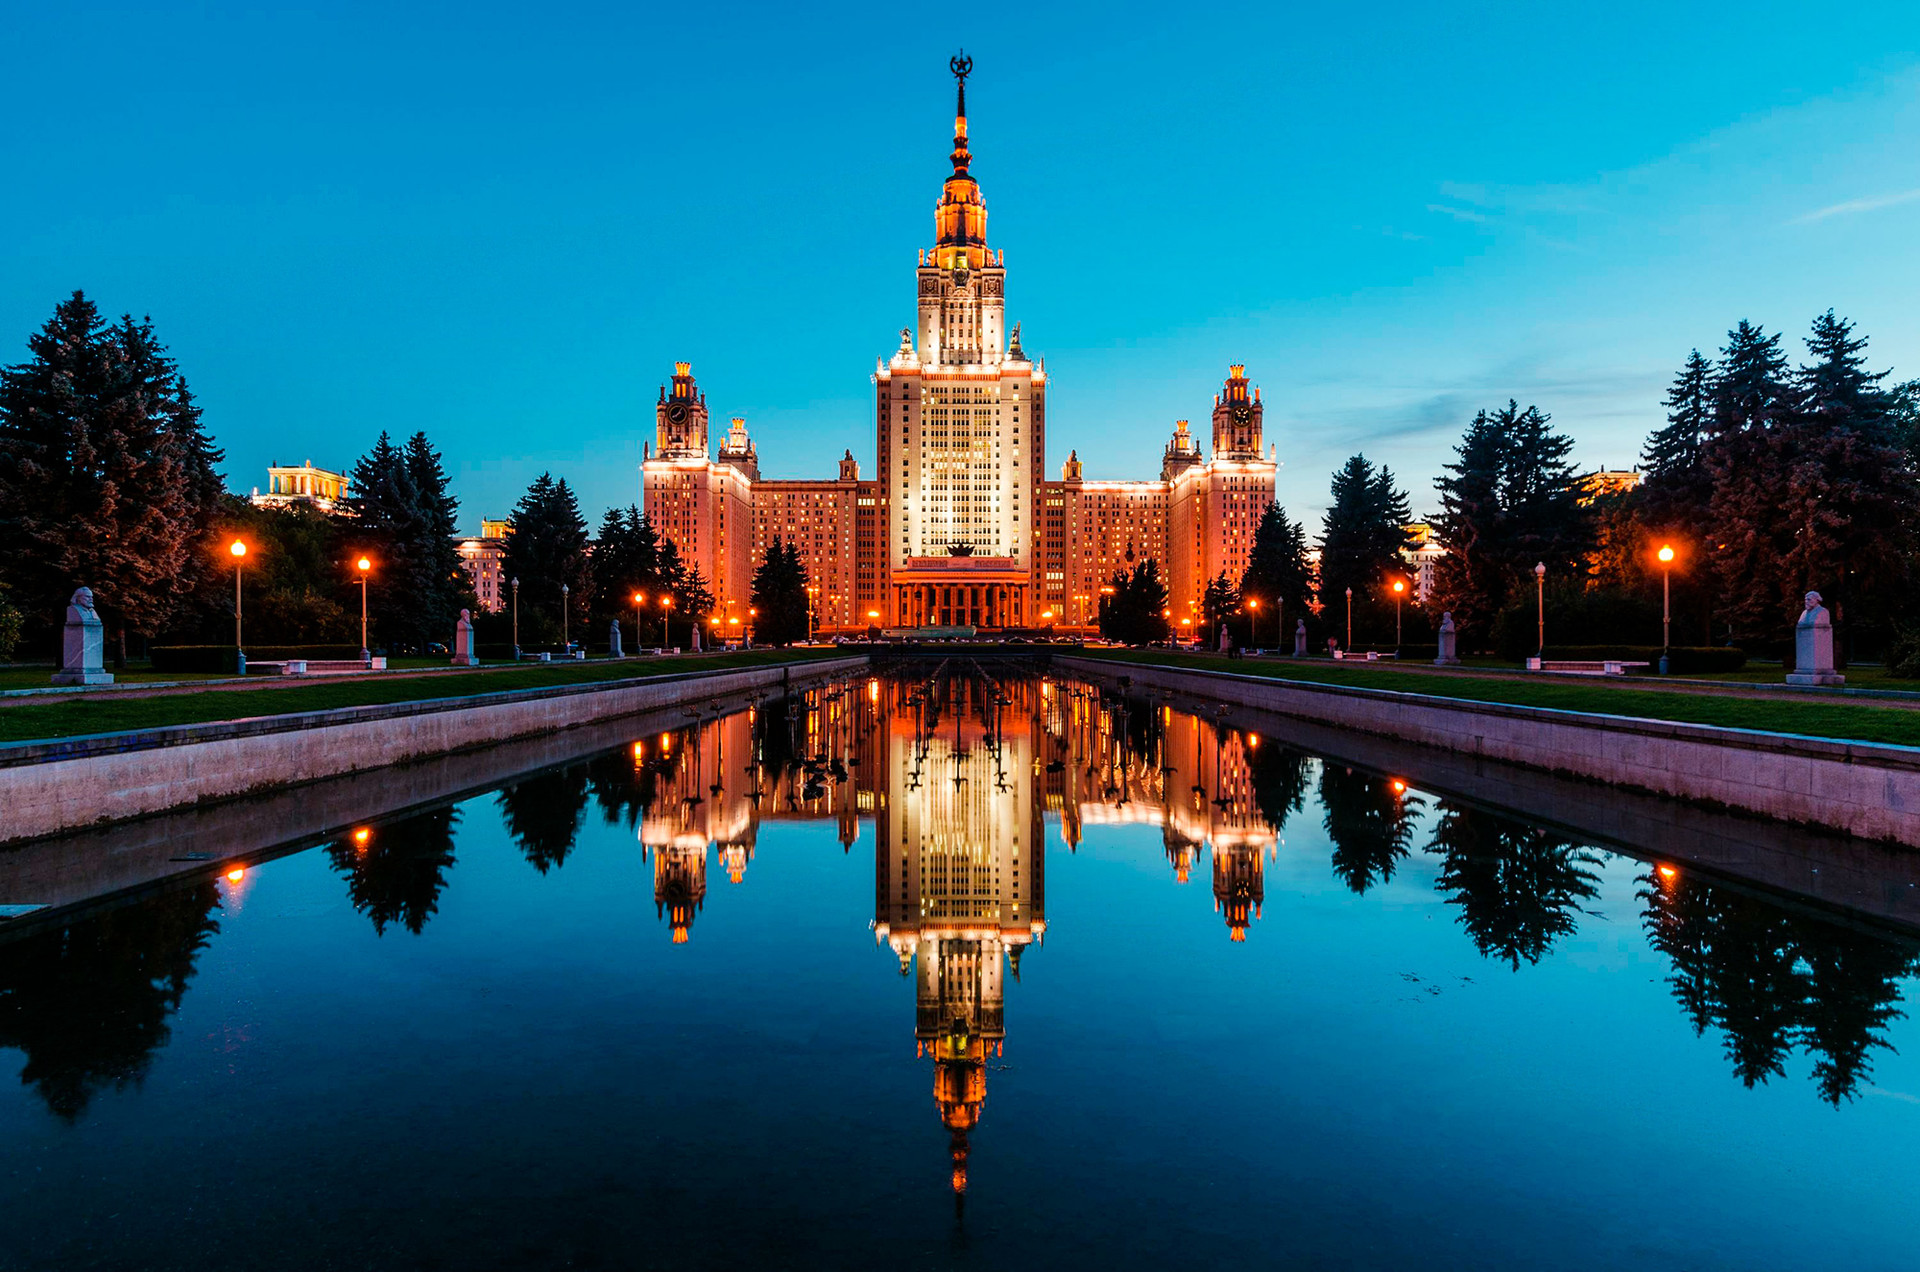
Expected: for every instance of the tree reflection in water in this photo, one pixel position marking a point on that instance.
(1370, 821)
(1279, 783)
(1770, 980)
(395, 872)
(90, 1003)
(1519, 888)
(543, 814)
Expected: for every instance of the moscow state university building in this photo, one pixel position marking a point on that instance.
(960, 525)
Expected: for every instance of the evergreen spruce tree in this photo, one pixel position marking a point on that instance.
(1219, 603)
(1363, 533)
(546, 552)
(99, 473)
(1671, 458)
(1511, 501)
(1279, 576)
(1748, 453)
(1850, 493)
(692, 596)
(1135, 613)
(779, 596)
(445, 586)
(626, 561)
(389, 526)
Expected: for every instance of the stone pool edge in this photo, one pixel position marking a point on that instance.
(1867, 789)
(48, 788)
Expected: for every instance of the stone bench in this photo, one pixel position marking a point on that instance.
(1586, 666)
(1352, 655)
(314, 666)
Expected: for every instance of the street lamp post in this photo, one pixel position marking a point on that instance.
(666, 621)
(1540, 603)
(239, 551)
(1253, 619)
(515, 585)
(1399, 594)
(1349, 620)
(810, 592)
(1666, 604)
(639, 638)
(566, 641)
(363, 565)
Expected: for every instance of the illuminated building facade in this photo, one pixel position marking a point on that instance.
(302, 484)
(483, 559)
(959, 525)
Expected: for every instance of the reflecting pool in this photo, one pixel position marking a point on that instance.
(952, 967)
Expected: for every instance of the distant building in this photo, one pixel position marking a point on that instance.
(1607, 481)
(292, 485)
(1421, 557)
(483, 558)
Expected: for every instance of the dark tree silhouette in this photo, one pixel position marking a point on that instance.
(1519, 888)
(89, 1004)
(395, 873)
(543, 814)
(1279, 783)
(1370, 823)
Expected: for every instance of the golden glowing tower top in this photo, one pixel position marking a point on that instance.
(960, 219)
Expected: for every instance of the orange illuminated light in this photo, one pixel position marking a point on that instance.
(1399, 787)
(238, 548)
(236, 874)
(1667, 872)
(361, 835)
(1666, 552)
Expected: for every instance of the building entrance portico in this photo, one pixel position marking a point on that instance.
(961, 592)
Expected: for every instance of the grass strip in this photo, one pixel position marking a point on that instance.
(1803, 717)
(76, 715)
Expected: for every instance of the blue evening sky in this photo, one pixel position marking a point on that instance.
(502, 223)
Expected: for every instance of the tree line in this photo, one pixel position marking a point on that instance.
(1767, 479)
(110, 480)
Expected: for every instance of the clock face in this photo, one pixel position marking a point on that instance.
(677, 413)
(1242, 412)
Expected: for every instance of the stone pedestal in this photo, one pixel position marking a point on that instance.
(1449, 643)
(1813, 647)
(613, 640)
(83, 644)
(463, 655)
(1300, 639)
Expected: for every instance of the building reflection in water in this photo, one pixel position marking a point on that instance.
(958, 775)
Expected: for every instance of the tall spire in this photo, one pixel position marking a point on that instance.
(960, 220)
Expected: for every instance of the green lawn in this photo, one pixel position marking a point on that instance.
(1810, 716)
(34, 719)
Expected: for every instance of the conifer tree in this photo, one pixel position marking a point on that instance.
(1850, 493)
(546, 552)
(1747, 453)
(1278, 572)
(1135, 613)
(1363, 533)
(626, 560)
(780, 596)
(1219, 602)
(100, 472)
(1671, 457)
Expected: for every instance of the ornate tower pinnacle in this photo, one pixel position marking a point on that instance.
(960, 220)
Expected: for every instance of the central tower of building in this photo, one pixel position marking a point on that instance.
(960, 428)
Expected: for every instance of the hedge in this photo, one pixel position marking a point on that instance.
(1682, 660)
(209, 658)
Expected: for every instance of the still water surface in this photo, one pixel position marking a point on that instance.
(951, 971)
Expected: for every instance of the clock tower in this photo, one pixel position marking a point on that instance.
(1237, 413)
(680, 417)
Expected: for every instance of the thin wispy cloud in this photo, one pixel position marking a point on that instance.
(1857, 205)
(1458, 214)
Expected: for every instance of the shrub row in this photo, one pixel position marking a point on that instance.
(204, 658)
